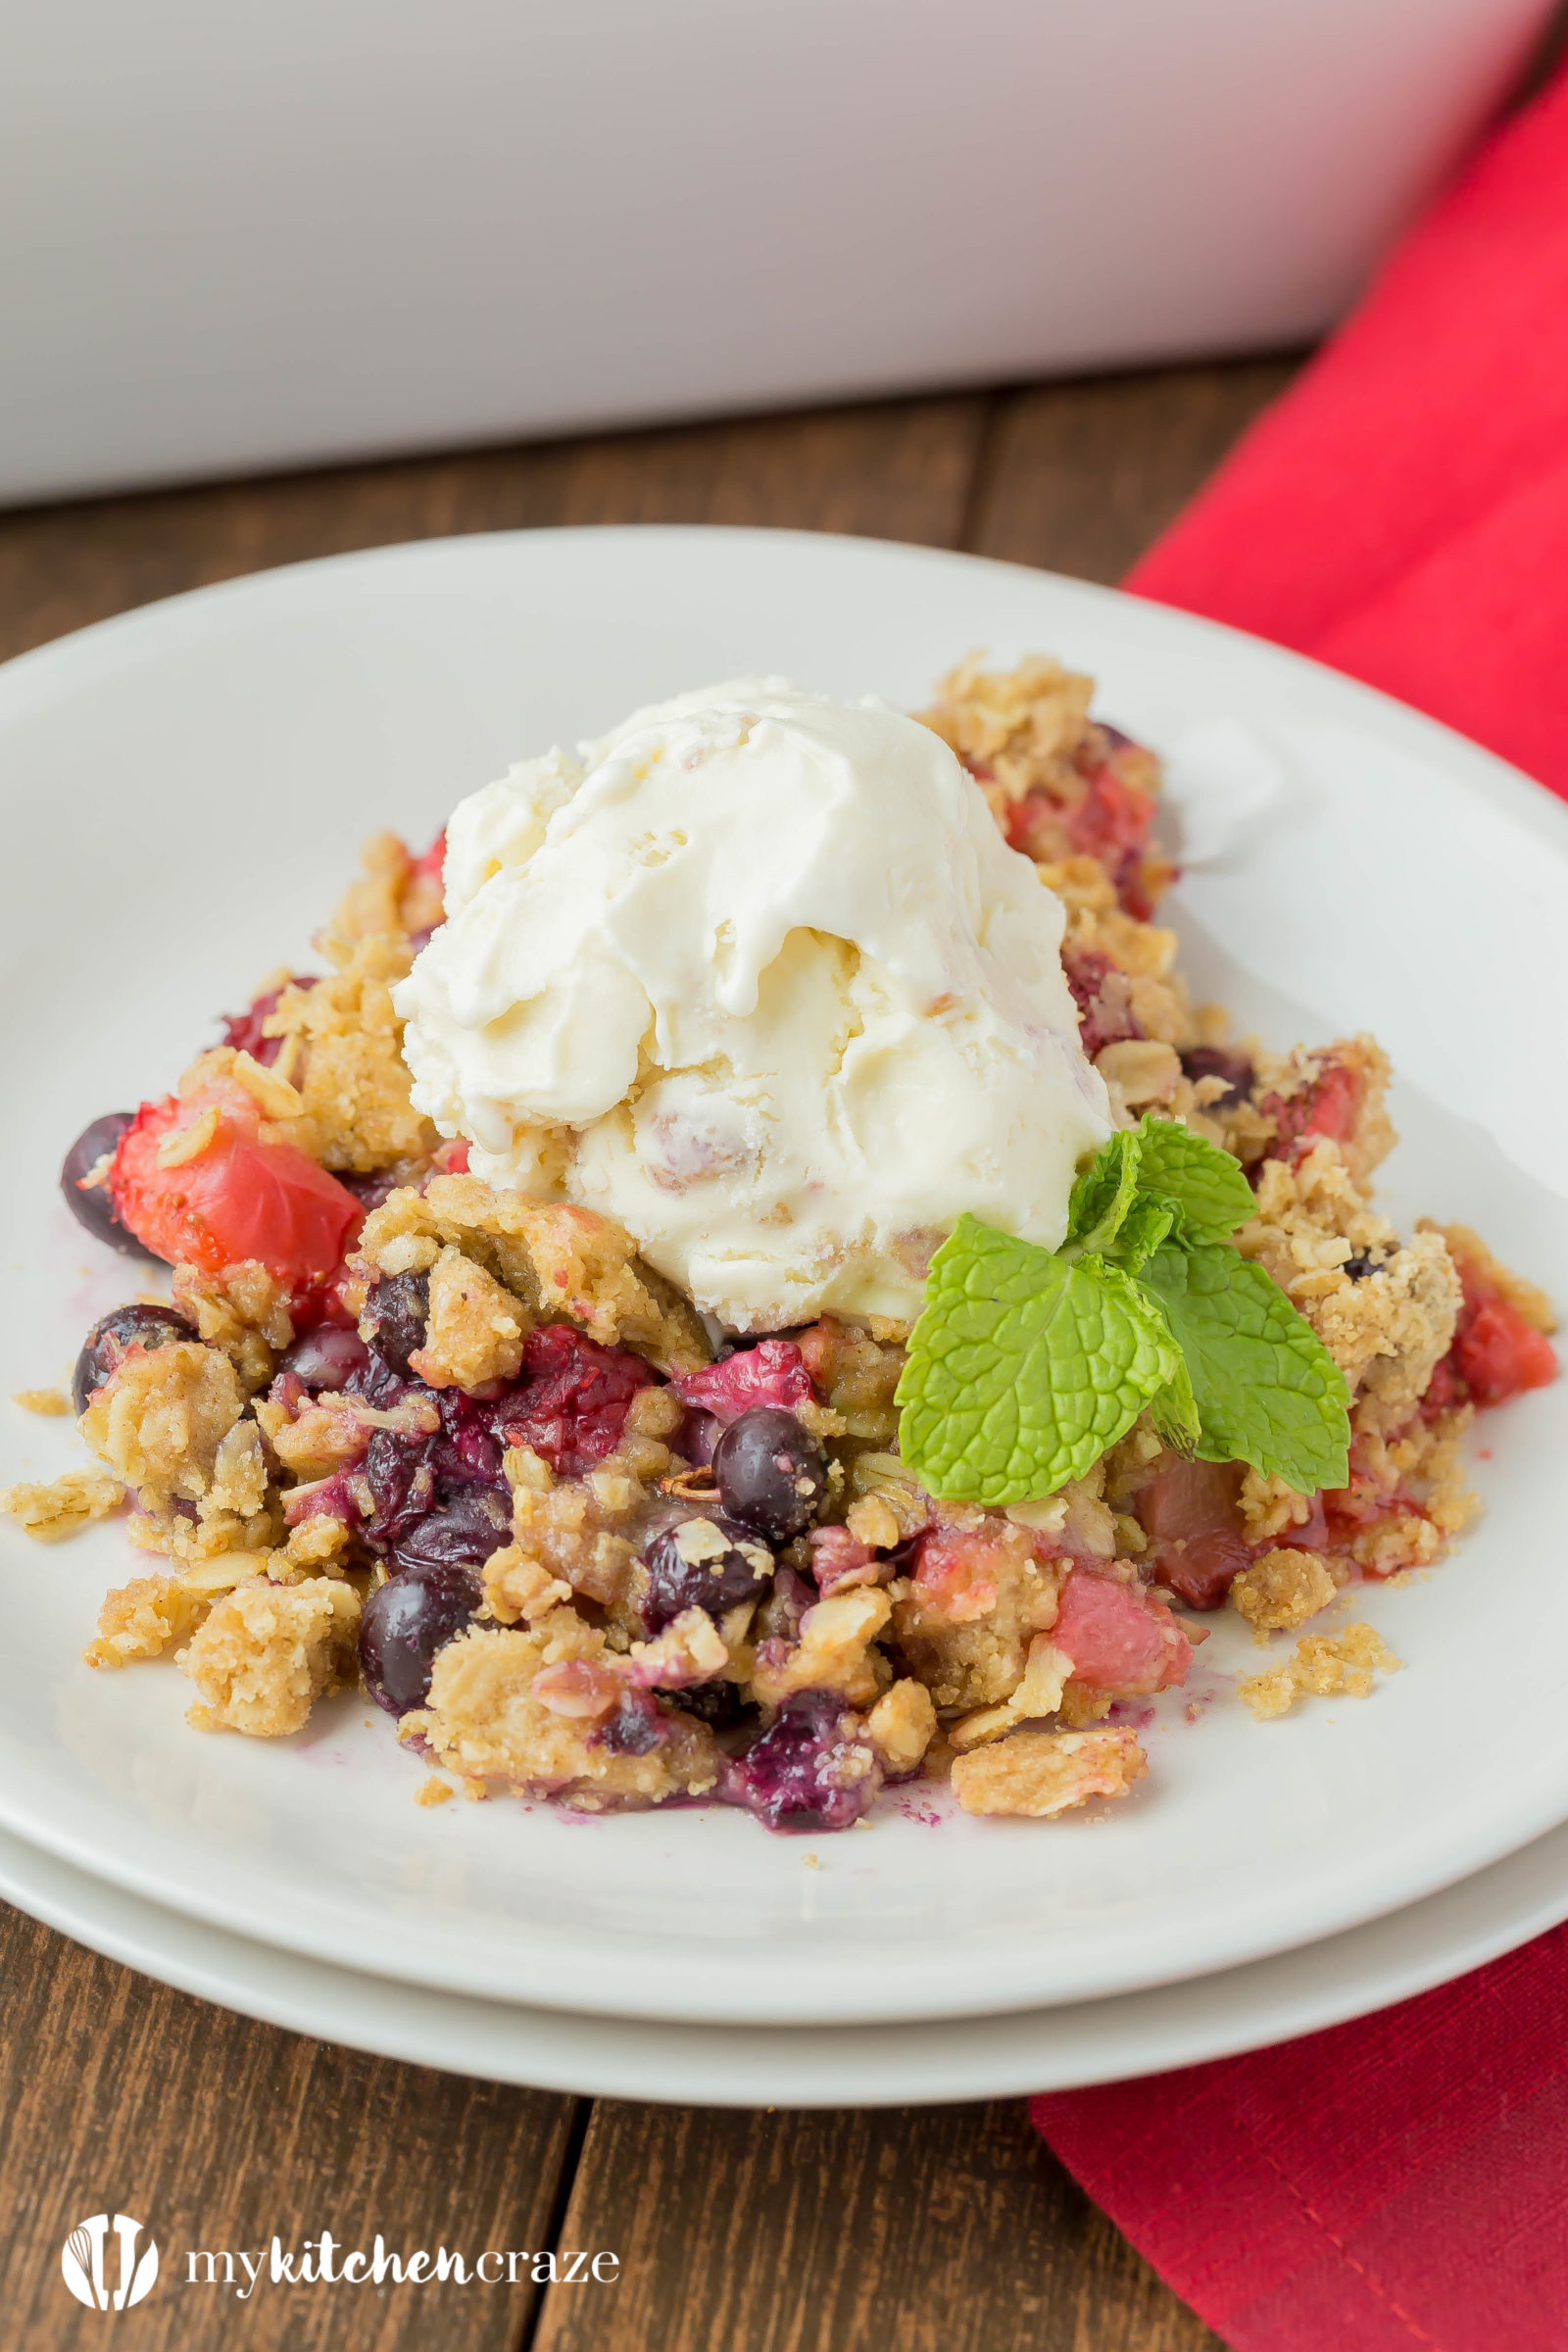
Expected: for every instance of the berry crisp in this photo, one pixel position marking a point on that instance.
(393, 1426)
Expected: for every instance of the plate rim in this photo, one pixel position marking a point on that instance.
(1192, 2023)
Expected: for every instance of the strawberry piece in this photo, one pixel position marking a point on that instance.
(236, 1198)
(1112, 820)
(1327, 1107)
(1495, 1351)
(1118, 1637)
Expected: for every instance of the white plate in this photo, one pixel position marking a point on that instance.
(184, 790)
(1135, 2034)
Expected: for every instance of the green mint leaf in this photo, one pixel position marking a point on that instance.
(1103, 1195)
(1206, 1185)
(1266, 1389)
(1146, 1225)
(1174, 1414)
(1024, 1366)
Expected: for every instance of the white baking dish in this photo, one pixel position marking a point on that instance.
(235, 236)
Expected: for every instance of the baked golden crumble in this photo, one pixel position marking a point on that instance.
(266, 1653)
(51, 1404)
(1282, 1591)
(1037, 1774)
(64, 1505)
(1321, 1666)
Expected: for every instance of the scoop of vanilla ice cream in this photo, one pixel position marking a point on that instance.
(757, 975)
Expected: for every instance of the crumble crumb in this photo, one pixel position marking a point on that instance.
(1039, 1693)
(516, 1586)
(1022, 725)
(1386, 1310)
(434, 1790)
(1037, 1774)
(1081, 1708)
(1140, 1074)
(53, 1403)
(485, 1720)
(1282, 1591)
(243, 1310)
(141, 1619)
(313, 1543)
(62, 1507)
(902, 1725)
(1320, 1666)
(857, 1374)
(158, 1419)
(267, 1651)
(476, 1328)
(834, 1651)
(390, 899)
(556, 1260)
(980, 1597)
(344, 1048)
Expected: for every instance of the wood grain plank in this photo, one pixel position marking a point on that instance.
(896, 470)
(1080, 478)
(119, 2096)
(943, 2230)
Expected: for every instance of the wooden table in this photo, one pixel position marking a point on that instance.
(932, 2230)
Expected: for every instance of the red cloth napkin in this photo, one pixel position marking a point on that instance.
(1401, 514)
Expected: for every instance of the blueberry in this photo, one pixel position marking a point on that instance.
(637, 1726)
(93, 1208)
(396, 1320)
(368, 1190)
(1212, 1062)
(405, 1623)
(1359, 1264)
(400, 1473)
(124, 1328)
(467, 1453)
(771, 1473)
(462, 1533)
(328, 1358)
(718, 1704)
(709, 1563)
(812, 1770)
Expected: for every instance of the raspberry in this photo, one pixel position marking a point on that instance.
(572, 1405)
(773, 1372)
(1103, 1000)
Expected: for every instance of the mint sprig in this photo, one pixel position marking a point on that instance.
(1266, 1387)
(1026, 1364)
(1026, 1360)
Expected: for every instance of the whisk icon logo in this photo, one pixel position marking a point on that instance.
(109, 2277)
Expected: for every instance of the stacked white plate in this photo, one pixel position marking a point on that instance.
(185, 789)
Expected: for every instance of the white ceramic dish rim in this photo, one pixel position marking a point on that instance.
(1537, 1809)
(935, 2062)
